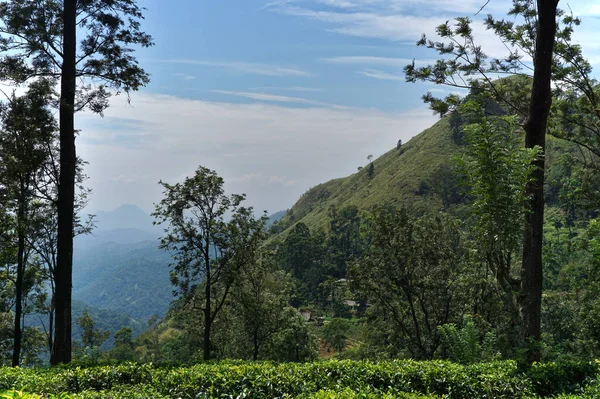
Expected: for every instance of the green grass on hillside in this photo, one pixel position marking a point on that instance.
(411, 176)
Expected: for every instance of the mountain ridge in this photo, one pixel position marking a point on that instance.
(417, 175)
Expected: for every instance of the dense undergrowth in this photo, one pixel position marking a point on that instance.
(323, 380)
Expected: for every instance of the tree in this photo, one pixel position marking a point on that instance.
(123, 345)
(39, 38)
(260, 299)
(335, 334)
(371, 170)
(537, 37)
(296, 342)
(415, 275)
(343, 241)
(91, 338)
(301, 255)
(8, 254)
(43, 230)
(493, 150)
(208, 251)
(27, 128)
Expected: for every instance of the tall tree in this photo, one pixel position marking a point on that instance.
(208, 251)
(465, 66)
(494, 149)
(39, 38)
(535, 136)
(260, 298)
(27, 127)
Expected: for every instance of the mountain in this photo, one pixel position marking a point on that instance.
(418, 175)
(274, 218)
(131, 278)
(126, 217)
(121, 236)
(119, 267)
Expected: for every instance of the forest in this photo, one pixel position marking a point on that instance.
(463, 263)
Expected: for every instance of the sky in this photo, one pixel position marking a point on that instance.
(276, 96)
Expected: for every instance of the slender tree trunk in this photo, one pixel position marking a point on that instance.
(207, 325)
(66, 188)
(535, 135)
(207, 307)
(51, 329)
(256, 347)
(18, 333)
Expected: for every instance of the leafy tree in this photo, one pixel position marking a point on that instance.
(537, 36)
(343, 241)
(39, 38)
(415, 274)
(260, 298)
(470, 343)
(27, 128)
(301, 255)
(335, 334)
(371, 170)
(8, 254)
(209, 252)
(296, 342)
(493, 150)
(91, 338)
(123, 345)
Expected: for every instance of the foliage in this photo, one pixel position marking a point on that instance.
(415, 276)
(564, 377)
(301, 255)
(208, 252)
(260, 299)
(325, 380)
(91, 338)
(469, 344)
(31, 43)
(497, 169)
(335, 334)
(267, 380)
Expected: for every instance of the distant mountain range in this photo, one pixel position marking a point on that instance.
(120, 268)
(126, 216)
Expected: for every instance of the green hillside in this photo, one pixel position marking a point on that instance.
(418, 176)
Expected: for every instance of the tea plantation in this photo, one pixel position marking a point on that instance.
(319, 380)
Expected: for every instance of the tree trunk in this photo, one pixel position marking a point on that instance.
(207, 307)
(18, 333)
(51, 330)
(207, 326)
(535, 135)
(256, 347)
(66, 188)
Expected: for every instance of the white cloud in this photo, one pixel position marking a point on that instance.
(402, 21)
(290, 88)
(368, 60)
(272, 153)
(185, 76)
(399, 6)
(276, 98)
(381, 75)
(246, 67)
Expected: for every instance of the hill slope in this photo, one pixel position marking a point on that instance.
(417, 175)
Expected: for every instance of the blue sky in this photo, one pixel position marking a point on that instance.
(254, 46)
(275, 95)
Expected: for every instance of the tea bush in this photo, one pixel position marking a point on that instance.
(333, 379)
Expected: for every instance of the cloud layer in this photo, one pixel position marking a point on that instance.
(272, 153)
